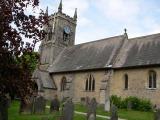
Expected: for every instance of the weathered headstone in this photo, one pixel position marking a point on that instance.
(157, 115)
(92, 117)
(91, 108)
(26, 105)
(107, 105)
(3, 108)
(114, 113)
(68, 110)
(39, 105)
(55, 104)
(129, 105)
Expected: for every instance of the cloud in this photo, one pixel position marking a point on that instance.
(120, 10)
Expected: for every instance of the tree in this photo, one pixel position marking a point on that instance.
(15, 23)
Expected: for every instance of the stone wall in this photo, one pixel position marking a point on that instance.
(137, 84)
(78, 81)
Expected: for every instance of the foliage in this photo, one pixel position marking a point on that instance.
(31, 59)
(136, 103)
(15, 23)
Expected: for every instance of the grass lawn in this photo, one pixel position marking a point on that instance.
(126, 114)
(129, 115)
(14, 114)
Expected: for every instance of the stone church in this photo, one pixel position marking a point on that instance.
(112, 66)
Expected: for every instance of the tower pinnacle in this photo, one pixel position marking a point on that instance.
(75, 14)
(60, 7)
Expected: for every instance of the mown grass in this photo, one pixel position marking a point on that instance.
(14, 114)
(126, 114)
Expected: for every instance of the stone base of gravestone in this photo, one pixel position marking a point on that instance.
(157, 115)
(114, 113)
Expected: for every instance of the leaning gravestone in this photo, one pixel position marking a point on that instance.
(114, 113)
(92, 106)
(68, 110)
(39, 105)
(157, 115)
(3, 108)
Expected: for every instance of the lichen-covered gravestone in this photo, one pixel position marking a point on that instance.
(3, 108)
(39, 105)
(55, 104)
(114, 113)
(68, 110)
(91, 109)
(157, 115)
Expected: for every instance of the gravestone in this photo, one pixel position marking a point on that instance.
(129, 105)
(26, 105)
(107, 105)
(157, 115)
(92, 117)
(114, 113)
(91, 108)
(68, 110)
(39, 105)
(55, 104)
(3, 108)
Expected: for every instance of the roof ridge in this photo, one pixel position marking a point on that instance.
(140, 37)
(98, 40)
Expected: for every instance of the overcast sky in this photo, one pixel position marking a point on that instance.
(99, 19)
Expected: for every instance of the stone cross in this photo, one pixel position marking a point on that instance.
(55, 104)
(114, 113)
(91, 109)
(39, 105)
(157, 115)
(68, 110)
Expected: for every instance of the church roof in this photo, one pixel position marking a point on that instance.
(93, 55)
(43, 79)
(115, 52)
(140, 51)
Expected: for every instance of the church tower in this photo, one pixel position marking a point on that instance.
(60, 34)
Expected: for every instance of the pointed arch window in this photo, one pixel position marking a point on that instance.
(126, 81)
(63, 84)
(90, 83)
(152, 82)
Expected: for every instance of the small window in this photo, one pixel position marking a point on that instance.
(125, 81)
(152, 79)
(90, 83)
(63, 84)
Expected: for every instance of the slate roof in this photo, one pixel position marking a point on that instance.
(92, 55)
(140, 51)
(114, 52)
(43, 79)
